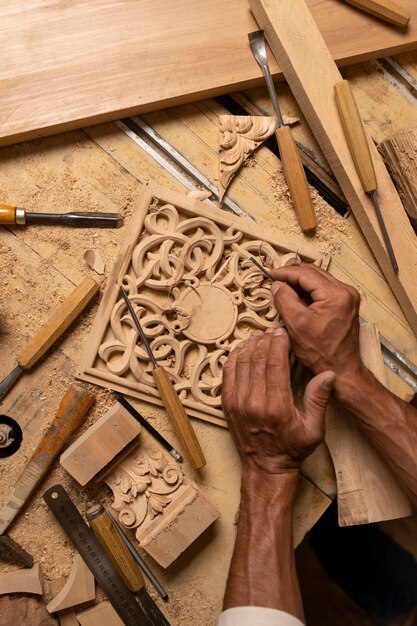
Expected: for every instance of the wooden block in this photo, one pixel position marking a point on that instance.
(309, 505)
(102, 614)
(68, 617)
(79, 588)
(311, 73)
(368, 491)
(181, 52)
(167, 511)
(22, 581)
(100, 444)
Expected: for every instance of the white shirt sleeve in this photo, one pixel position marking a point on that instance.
(256, 616)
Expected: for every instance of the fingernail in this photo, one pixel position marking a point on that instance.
(269, 330)
(256, 333)
(278, 331)
(275, 286)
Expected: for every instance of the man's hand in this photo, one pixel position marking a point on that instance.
(269, 432)
(324, 334)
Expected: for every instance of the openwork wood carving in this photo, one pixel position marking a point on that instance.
(239, 136)
(197, 295)
(167, 511)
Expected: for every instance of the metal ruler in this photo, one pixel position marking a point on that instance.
(123, 600)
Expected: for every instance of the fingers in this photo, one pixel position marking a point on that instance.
(310, 278)
(278, 368)
(287, 302)
(316, 398)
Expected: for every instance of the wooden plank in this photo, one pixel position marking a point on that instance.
(22, 581)
(366, 487)
(128, 57)
(311, 73)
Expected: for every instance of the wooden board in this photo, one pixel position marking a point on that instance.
(311, 73)
(66, 65)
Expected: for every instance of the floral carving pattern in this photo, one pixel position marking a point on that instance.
(143, 485)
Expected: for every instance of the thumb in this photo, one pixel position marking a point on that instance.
(317, 396)
(286, 300)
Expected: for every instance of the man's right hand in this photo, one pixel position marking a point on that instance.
(324, 332)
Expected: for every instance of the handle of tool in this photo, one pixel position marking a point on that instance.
(296, 179)
(71, 411)
(59, 321)
(111, 542)
(385, 9)
(355, 135)
(7, 214)
(188, 439)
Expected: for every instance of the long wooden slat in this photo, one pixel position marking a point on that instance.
(367, 489)
(311, 73)
(66, 65)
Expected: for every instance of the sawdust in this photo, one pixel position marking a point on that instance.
(331, 226)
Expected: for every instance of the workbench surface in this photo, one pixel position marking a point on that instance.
(104, 168)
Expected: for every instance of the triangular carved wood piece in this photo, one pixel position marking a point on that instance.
(239, 136)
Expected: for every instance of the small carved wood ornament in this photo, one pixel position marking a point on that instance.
(239, 136)
(167, 511)
(195, 293)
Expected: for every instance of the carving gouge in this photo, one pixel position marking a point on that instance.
(57, 324)
(290, 157)
(16, 215)
(359, 148)
(170, 399)
(71, 411)
(108, 536)
(385, 9)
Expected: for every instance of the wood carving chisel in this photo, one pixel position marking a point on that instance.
(290, 157)
(359, 148)
(60, 319)
(385, 9)
(13, 215)
(71, 411)
(189, 442)
(108, 536)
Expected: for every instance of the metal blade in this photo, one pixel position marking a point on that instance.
(9, 381)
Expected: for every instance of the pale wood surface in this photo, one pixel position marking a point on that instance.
(22, 581)
(366, 488)
(312, 74)
(98, 445)
(79, 588)
(126, 58)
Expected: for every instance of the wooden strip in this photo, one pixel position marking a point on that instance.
(367, 489)
(311, 73)
(147, 55)
(100, 615)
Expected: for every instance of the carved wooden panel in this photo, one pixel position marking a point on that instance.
(167, 510)
(239, 136)
(184, 266)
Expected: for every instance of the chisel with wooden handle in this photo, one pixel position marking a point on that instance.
(71, 411)
(108, 536)
(290, 157)
(17, 216)
(60, 319)
(385, 9)
(185, 432)
(359, 148)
